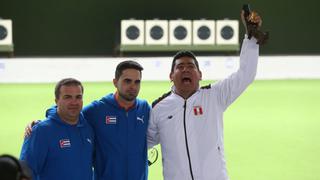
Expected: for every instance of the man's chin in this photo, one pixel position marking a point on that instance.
(130, 98)
(187, 87)
(74, 113)
(187, 84)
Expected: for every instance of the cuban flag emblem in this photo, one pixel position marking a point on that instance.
(64, 143)
(197, 110)
(111, 120)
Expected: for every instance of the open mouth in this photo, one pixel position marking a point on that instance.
(186, 80)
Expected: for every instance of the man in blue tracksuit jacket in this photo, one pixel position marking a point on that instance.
(120, 123)
(121, 149)
(61, 147)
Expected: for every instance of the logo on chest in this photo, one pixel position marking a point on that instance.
(89, 141)
(197, 110)
(111, 119)
(65, 143)
(140, 119)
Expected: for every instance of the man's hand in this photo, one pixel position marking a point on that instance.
(28, 129)
(252, 23)
(253, 18)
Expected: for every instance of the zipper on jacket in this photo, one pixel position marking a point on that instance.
(186, 138)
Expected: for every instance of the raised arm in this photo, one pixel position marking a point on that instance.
(230, 88)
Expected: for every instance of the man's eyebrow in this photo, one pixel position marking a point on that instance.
(187, 63)
(66, 95)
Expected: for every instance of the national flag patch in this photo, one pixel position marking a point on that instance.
(111, 120)
(65, 143)
(197, 110)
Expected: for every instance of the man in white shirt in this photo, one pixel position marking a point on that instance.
(188, 121)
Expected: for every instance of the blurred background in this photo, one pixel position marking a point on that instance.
(92, 28)
(271, 131)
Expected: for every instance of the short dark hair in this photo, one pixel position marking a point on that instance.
(12, 168)
(127, 65)
(66, 82)
(181, 54)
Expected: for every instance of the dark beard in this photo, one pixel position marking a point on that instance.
(127, 98)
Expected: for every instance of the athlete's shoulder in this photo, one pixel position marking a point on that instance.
(44, 126)
(141, 101)
(160, 98)
(96, 105)
(206, 87)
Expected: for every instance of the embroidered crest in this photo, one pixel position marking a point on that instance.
(197, 110)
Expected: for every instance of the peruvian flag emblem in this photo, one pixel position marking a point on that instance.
(197, 110)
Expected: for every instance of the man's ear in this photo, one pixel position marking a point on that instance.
(170, 76)
(115, 81)
(200, 73)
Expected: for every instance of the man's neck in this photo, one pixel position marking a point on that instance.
(123, 103)
(184, 94)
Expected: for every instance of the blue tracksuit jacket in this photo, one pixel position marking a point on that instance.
(121, 147)
(59, 151)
